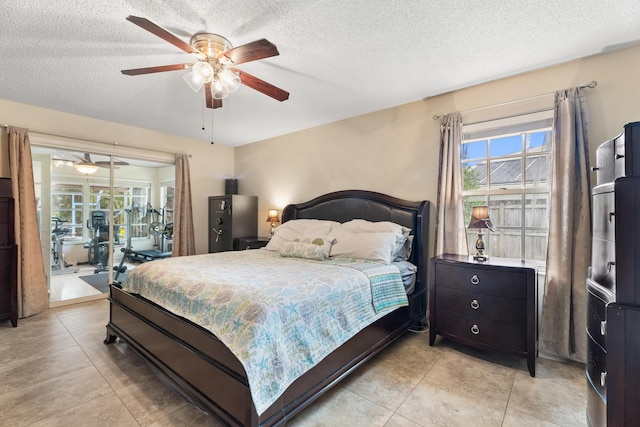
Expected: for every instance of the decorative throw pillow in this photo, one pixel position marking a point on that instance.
(299, 230)
(318, 249)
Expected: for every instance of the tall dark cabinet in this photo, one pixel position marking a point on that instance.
(8, 255)
(613, 287)
(231, 217)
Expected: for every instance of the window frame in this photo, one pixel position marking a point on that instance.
(495, 129)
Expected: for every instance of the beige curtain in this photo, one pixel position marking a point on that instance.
(569, 252)
(33, 297)
(183, 236)
(450, 230)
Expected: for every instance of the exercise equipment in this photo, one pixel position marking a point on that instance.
(58, 262)
(98, 246)
(156, 229)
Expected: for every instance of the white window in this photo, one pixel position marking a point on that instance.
(505, 166)
(68, 204)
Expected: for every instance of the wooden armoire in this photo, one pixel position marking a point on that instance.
(613, 287)
(8, 255)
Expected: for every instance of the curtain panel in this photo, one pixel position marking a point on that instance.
(564, 317)
(451, 236)
(183, 234)
(33, 295)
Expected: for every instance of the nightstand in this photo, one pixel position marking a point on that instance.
(491, 305)
(243, 243)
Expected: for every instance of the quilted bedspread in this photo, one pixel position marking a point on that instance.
(279, 316)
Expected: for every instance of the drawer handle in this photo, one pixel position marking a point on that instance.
(611, 215)
(475, 330)
(603, 378)
(609, 265)
(475, 304)
(603, 328)
(619, 156)
(475, 280)
(595, 169)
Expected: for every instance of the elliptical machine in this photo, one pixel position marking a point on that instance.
(98, 247)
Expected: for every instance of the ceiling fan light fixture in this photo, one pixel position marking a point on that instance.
(218, 91)
(230, 80)
(201, 73)
(86, 168)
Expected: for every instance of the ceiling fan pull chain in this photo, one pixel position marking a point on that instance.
(212, 128)
(203, 105)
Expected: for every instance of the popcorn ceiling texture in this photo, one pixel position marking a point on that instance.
(338, 59)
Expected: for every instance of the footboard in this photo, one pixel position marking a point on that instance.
(209, 376)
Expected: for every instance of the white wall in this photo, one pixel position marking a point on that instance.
(396, 151)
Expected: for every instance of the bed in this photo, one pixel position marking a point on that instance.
(195, 363)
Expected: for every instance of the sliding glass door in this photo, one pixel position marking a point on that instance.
(91, 207)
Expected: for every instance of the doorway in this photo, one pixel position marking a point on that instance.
(91, 206)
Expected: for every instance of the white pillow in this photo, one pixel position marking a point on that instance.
(402, 249)
(370, 246)
(300, 230)
(364, 226)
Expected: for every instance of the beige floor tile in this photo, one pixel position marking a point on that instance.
(398, 421)
(187, 416)
(147, 398)
(557, 394)
(412, 351)
(104, 411)
(30, 371)
(34, 345)
(515, 418)
(383, 382)
(30, 404)
(340, 407)
(461, 372)
(437, 405)
(69, 377)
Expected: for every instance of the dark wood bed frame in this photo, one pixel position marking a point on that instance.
(198, 366)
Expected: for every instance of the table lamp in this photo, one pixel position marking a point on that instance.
(273, 218)
(480, 220)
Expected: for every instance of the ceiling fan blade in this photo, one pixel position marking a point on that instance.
(158, 69)
(105, 164)
(262, 86)
(163, 34)
(253, 51)
(211, 101)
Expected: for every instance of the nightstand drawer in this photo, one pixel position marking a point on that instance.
(481, 306)
(497, 335)
(493, 281)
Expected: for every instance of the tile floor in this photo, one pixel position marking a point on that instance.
(55, 371)
(68, 285)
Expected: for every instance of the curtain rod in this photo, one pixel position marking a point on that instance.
(116, 144)
(589, 85)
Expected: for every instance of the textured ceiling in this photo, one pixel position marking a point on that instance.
(338, 58)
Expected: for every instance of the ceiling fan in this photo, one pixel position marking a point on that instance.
(85, 165)
(214, 68)
(86, 160)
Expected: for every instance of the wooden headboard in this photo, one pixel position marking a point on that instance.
(346, 205)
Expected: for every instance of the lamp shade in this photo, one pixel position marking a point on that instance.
(273, 216)
(86, 168)
(480, 218)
